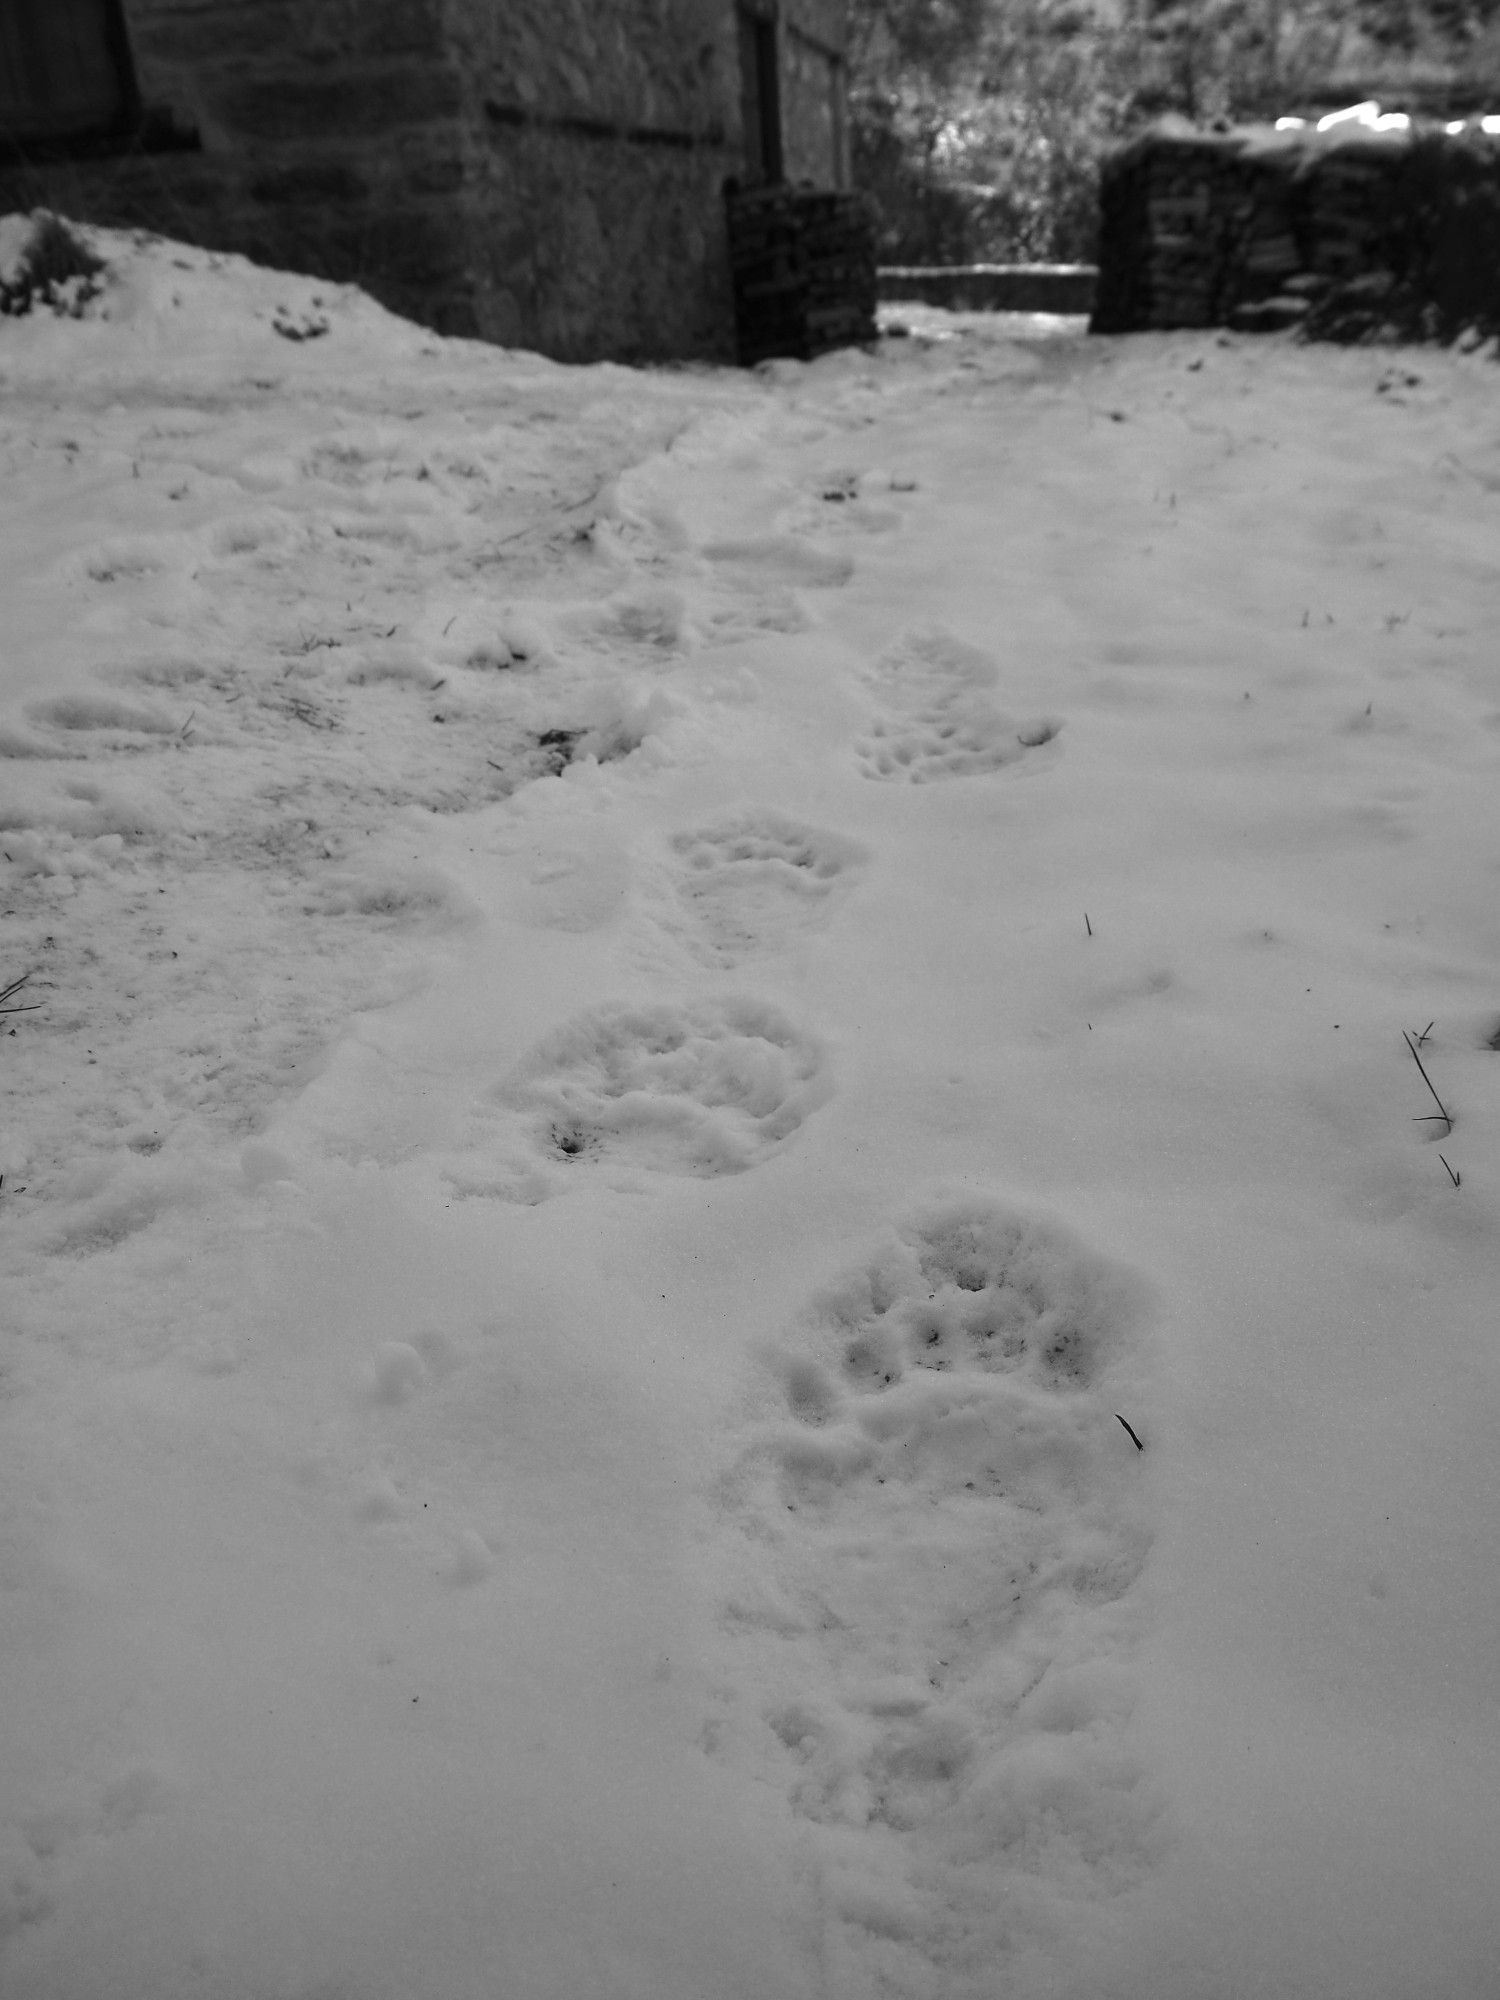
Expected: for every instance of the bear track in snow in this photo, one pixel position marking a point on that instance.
(702, 1087)
(756, 879)
(943, 1531)
(937, 717)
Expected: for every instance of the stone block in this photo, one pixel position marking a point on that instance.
(369, 28)
(431, 161)
(598, 249)
(360, 104)
(416, 247)
(454, 315)
(279, 30)
(309, 183)
(669, 65)
(215, 32)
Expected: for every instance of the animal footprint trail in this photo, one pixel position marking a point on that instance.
(707, 1088)
(937, 716)
(757, 879)
(944, 1531)
(262, 777)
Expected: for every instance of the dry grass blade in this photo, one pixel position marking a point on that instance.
(27, 1007)
(1443, 1111)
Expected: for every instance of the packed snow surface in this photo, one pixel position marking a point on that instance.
(749, 1208)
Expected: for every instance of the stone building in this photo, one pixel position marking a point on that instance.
(542, 173)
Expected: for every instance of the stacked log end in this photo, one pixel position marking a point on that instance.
(803, 264)
(1349, 235)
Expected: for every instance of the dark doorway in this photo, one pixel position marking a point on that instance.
(760, 85)
(65, 71)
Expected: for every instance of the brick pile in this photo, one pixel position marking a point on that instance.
(1349, 235)
(803, 264)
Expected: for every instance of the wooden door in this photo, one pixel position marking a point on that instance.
(64, 69)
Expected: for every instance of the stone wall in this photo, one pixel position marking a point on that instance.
(546, 173)
(330, 139)
(601, 137)
(592, 246)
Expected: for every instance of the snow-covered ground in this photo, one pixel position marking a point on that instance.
(661, 1003)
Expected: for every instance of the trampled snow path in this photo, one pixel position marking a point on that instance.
(660, 1000)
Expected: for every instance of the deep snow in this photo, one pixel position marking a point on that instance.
(662, 1003)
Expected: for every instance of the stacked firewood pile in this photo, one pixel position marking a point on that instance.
(803, 262)
(1350, 235)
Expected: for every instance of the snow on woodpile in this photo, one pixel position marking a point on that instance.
(1362, 227)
